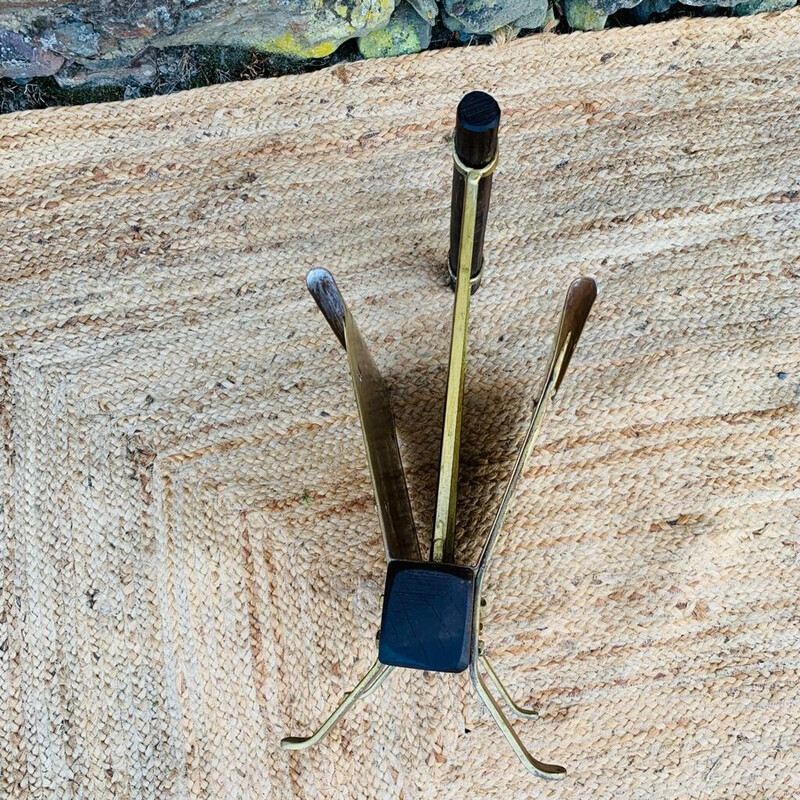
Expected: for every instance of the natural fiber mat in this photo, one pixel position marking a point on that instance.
(191, 559)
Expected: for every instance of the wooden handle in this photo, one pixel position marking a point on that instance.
(477, 126)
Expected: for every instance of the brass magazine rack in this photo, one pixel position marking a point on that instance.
(431, 616)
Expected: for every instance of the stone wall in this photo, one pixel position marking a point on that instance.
(112, 42)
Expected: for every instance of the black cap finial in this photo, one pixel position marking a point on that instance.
(477, 124)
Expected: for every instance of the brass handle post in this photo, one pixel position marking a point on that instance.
(477, 123)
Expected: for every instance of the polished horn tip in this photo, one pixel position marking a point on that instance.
(584, 289)
(326, 294)
(317, 277)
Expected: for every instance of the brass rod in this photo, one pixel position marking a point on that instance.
(519, 468)
(444, 522)
(580, 297)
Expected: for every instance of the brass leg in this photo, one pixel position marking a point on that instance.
(368, 684)
(520, 711)
(549, 771)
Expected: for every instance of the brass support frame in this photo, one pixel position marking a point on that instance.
(577, 305)
(540, 768)
(444, 522)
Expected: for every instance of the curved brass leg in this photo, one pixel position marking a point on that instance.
(368, 684)
(520, 711)
(548, 771)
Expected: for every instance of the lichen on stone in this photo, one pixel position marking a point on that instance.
(20, 58)
(648, 9)
(535, 17)
(427, 9)
(406, 32)
(72, 40)
(157, 45)
(370, 14)
(324, 26)
(483, 16)
(583, 16)
(288, 45)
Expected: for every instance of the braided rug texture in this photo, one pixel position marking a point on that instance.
(191, 560)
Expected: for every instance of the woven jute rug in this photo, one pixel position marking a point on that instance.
(191, 559)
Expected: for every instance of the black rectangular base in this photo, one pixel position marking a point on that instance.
(427, 616)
